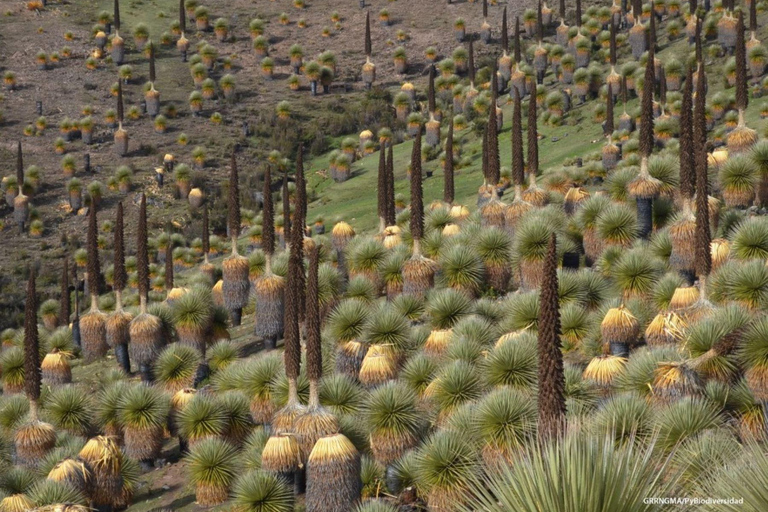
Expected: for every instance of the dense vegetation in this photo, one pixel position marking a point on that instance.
(506, 324)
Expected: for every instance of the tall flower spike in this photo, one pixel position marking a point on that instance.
(608, 127)
(533, 136)
(448, 187)
(268, 213)
(152, 74)
(31, 342)
(182, 17)
(431, 104)
(142, 253)
(504, 31)
(417, 199)
(687, 157)
(95, 279)
(391, 213)
(381, 189)
(518, 162)
(119, 275)
(119, 102)
(206, 234)
(471, 62)
(116, 15)
(551, 390)
(368, 34)
(233, 203)
(65, 305)
(19, 167)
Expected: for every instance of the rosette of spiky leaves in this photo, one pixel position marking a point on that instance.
(144, 411)
(388, 326)
(347, 321)
(238, 423)
(341, 394)
(664, 289)
(626, 472)
(362, 289)
(743, 474)
(513, 363)
(176, 366)
(504, 420)
(753, 355)
(13, 411)
(393, 420)
(107, 409)
(192, 317)
(580, 393)
(69, 408)
(456, 384)
(12, 364)
(639, 371)
(477, 329)
(419, 371)
(365, 256)
(636, 273)
(105, 460)
(202, 418)
(587, 217)
(255, 378)
(713, 342)
(617, 226)
(130, 472)
(738, 178)
(521, 312)
(462, 269)
(49, 492)
(624, 417)
(391, 273)
(212, 469)
(346, 324)
(67, 469)
(700, 458)
(683, 419)
(748, 284)
(262, 491)
(333, 474)
(222, 354)
(495, 249)
(375, 506)
(250, 458)
(750, 240)
(446, 465)
(17, 480)
(446, 307)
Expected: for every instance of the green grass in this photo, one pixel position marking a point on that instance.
(355, 199)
